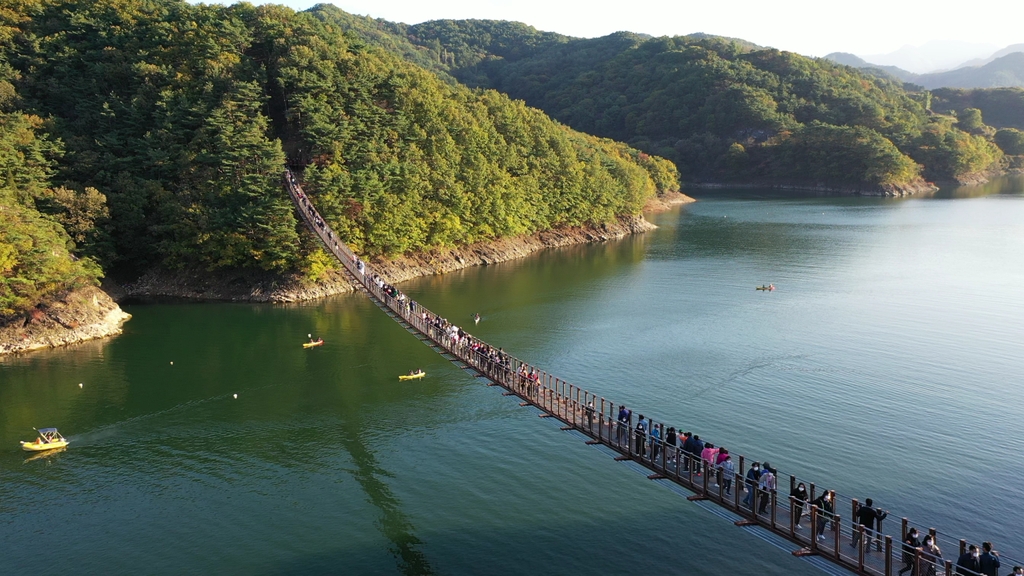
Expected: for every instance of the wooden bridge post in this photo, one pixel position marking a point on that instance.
(664, 452)
(903, 529)
(754, 497)
(577, 406)
(813, 490)
(878, 539)
(704, 483)
(860, 547)
(888, 555)
(855, 504)
(774, 503)
(792, 521)
(814, 528)
(742, 478)
(963, 546)
(949, 568)
(792, 483)
(837, 527)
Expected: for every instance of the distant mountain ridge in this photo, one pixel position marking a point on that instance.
(1004, 69)
(722, 109)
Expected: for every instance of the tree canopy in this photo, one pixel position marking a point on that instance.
(698, 99)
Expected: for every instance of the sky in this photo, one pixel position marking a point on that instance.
(809, 27)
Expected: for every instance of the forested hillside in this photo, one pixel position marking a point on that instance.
(721, 109)
(167, 126)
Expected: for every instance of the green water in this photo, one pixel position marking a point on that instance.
(886, 364)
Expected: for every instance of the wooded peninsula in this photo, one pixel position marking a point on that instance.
(152, 134)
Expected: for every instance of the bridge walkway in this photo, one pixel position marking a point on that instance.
(843, 542)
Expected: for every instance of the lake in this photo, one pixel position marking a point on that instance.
(885, 365)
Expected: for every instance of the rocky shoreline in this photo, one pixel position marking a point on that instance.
(250, 286)
(93, 313)
(78, 316)
(920, 187)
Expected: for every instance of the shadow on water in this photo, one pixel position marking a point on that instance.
(393, 524)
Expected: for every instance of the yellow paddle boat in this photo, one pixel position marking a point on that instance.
(413, 375)
(313, 343)
(49, 439)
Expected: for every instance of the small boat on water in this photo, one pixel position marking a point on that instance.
(314, 343)
(413, 376)
(49, 439)
(769, 287)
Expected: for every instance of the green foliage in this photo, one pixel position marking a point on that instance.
(691, 98)
(1002, 107)
(35, 260)
(182, 116)
(1010, 141)
(969, 120)
(948, 153)
(400, 160)
(835, 156)
(35, 264)
(317, 263)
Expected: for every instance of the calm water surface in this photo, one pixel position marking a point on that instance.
(887, 364)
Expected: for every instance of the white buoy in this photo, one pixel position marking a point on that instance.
(172, 362)
(236, 396)
(80, 384)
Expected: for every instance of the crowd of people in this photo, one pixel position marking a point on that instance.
(682, 451)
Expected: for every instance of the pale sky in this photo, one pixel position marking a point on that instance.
(809, 27)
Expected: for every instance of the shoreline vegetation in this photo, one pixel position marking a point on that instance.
(129, 149)
(91, 313)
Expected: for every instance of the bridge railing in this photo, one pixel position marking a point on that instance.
(597, 418)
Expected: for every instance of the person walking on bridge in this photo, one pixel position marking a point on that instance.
(728, 471)
(641, 437)
(826, 511)
(670, 446)
(753, 476)
(799, 495)
(767, 485)
(989, 560)
(624, 420)
(969, 564)
(931, 555)
(910, 545)
(655, 441)
(867, 516)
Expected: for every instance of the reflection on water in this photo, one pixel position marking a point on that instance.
(1006, 185)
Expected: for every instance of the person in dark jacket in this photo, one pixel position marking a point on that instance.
(696, 447)
(624, 419)
(969, 561)
(989, 560)
(641, 436)
(867, 516)
(670, 445)
(910, 545)
(799, 495)
(826, 511)
(753, 478)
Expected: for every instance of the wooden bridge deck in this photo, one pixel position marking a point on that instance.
(878, 552)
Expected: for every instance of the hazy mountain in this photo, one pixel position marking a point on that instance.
(1001, 72)
(1005, 51)
(1006, 71)
(933, 56)
(855, 61)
